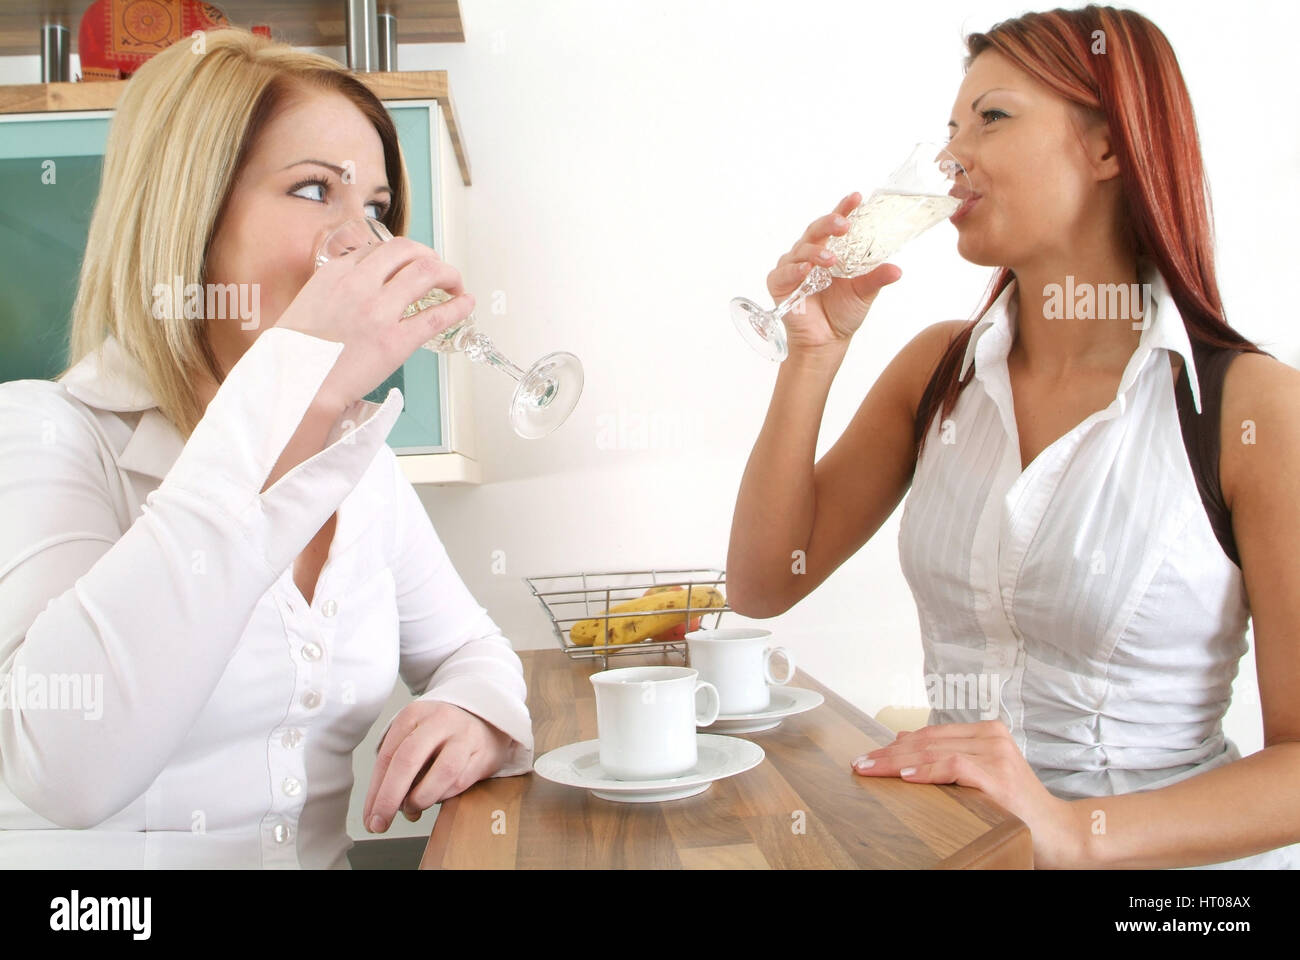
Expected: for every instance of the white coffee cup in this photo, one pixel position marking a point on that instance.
(646, 719)
(738, 662)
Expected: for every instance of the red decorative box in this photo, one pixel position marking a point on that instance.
(117, 36)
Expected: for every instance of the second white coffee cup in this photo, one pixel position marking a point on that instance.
(646, 719)
(738, 662)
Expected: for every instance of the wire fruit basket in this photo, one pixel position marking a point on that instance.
(571, 599)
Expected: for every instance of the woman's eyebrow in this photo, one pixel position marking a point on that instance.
(332, 166)
(974, 104)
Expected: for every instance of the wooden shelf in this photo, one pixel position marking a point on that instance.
(400, 85)
(302, 23)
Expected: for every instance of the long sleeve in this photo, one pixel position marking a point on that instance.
(154, 612)
(451, 650)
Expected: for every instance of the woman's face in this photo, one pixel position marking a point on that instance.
(1038, 187)
(275, 219)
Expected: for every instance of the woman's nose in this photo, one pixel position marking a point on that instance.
(956, 147)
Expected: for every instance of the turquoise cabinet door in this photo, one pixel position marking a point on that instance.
(50, 166)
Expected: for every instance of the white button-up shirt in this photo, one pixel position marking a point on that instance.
(1085, 601)
(169, 697)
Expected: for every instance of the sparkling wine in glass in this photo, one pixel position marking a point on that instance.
(928, 187)
(546, 392)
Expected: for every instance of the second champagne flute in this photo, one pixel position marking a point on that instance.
(929, 186)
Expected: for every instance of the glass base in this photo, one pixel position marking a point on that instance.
(546, 395)
(760, 328)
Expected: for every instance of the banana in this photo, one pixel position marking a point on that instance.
(659, 608)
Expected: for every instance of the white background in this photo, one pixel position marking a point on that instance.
(636, 165)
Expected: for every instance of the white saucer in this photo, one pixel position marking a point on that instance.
(578, 765)
(786, 702)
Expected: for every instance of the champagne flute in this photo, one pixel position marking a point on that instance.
(928, 187)
(546, 393)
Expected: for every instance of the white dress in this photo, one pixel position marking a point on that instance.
(170, 698)
(1086, 597)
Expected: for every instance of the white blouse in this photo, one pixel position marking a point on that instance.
(170, 699)
(1087, 596)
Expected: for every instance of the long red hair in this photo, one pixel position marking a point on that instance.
(1138, 87)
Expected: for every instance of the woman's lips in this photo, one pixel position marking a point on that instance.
(965, 208)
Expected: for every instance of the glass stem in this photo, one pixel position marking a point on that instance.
(479, 348)
(818, 279)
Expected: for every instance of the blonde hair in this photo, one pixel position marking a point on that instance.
(181, 134)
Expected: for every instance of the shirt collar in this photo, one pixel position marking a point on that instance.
(109, 378)
(1162, 327)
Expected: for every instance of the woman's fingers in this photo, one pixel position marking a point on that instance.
(815, 253)
(823, 228)
(785, 278)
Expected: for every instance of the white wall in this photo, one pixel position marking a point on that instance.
(636, 165)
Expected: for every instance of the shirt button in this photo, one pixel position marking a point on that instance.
(282, 833)
(311, 651)
(329, 608)
(291, 738)
(291, 786)
(311, 699)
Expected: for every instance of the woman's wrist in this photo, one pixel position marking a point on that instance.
(823, 361)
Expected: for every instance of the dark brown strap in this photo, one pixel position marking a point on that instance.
(1201, 435)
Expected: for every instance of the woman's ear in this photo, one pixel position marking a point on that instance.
(1101, 149)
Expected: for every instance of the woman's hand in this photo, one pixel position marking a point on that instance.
(983, 755)
(358, 300)
(432, 752)
(828, 319)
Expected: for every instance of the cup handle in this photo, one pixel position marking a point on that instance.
(767, 665)
(711, 713)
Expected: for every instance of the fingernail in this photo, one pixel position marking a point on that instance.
(841, 222)
(825, 255)
(376, 824)
(864, 762)
(907, 771)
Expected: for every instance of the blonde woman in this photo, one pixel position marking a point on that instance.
(211, 566)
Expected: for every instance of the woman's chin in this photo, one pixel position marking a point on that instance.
(972, 250)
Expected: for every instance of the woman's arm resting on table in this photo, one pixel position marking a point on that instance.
(1234, 811)
(470, 720)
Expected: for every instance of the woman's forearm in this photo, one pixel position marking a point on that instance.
(1233, 811)
(776, 503)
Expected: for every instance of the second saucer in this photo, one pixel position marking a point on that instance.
(786, 702)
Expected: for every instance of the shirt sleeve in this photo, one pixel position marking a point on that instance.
(155, 612)
(451, 650)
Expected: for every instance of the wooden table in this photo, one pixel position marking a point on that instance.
(751, 820)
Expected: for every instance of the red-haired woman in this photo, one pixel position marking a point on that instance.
(1101, 495)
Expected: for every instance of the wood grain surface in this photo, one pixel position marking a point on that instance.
(802, 807)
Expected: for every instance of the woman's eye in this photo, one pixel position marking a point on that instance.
(990, 115)
(319, 184)
(380, 207)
